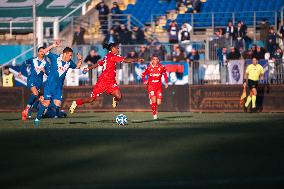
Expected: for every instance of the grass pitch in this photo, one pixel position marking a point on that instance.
(180, 150)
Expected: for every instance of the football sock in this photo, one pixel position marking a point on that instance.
(248, 101)
(79, 102)
(253, 101)
(154, 108)
(57, 108)
(40, 112)
(31, 100)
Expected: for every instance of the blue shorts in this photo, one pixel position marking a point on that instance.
(51, 92)
(33, 83)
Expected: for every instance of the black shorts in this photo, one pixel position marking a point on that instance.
(252, 84)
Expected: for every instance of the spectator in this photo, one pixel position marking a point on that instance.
(259, 53)
(115, 10)
(240, 34)
(124, 35)
(278, 54)
(222, 56)
(8, 77)
(196, 6)
(111, 37)
(178, 55)
(184, 33)
(281, 31)
(103, 14)
(144, 53)
(173, 32)
(193, 56)
(78, 38)
(264, 30)
(160, 51)
(132, 54)
(248, 54)
(230, 31)
(138, 36)
(92, 59)
(271, 41)
(234, 54)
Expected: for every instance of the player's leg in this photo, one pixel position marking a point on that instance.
(116, 97)
(249, 98)
(48, 94)
(98, 89)
(57, 103)
(32, 98)
(153, 96)
(159, 97)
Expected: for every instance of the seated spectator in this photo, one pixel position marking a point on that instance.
(111, 37)
(92, 57)
(196, 6)
(278, 54)
(159, 51)
(124, 35)
(78, 38)
(259, 53)
(132, 54)
(144, 53)
(248, 54)
(115, 9)
(173, 32)
(138, 36)
(8, 78)
(192, 56)
(234, 54)
(178, 55)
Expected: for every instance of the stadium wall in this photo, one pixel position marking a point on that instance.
(196, 98)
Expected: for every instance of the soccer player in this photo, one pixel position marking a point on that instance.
(39, 66)
(253, 72)
(50, 112)
(155, 71)
(59, 66)
(106, 82)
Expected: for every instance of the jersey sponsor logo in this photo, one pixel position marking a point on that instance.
(62, 69)
(155, 75)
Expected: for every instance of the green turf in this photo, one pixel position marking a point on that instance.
(180, 150)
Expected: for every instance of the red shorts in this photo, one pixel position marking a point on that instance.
(155, 91)
(102, 87)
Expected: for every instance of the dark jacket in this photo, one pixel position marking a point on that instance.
(78, 38)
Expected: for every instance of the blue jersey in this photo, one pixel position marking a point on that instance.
(35, 77)
(58, 70)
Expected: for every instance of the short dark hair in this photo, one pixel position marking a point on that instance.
(6, 67)
(67, 49)
(40, 49)
(109, 46)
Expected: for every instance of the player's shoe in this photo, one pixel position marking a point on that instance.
(254, 110)
(36, 123)
(30, 114)
(24, 114)
(245, 109)
(114, 102)
(73, 107)
(155, 116)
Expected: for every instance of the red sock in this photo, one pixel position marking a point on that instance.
(154, 108)
(79, 102)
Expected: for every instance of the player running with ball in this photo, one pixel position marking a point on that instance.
(155, 70)
(106, 82)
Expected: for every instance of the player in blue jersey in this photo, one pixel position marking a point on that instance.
(38, 66)
(59, 66)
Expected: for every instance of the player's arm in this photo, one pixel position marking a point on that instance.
(99, 63)
(166, 77)
(132, 60)
(261, 76)
(24, 65)
(54, 45)
(146, 72)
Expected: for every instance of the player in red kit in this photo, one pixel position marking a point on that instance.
(155, 71)
(106, 82)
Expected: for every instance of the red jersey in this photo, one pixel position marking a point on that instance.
(155, 74)
(109, 66)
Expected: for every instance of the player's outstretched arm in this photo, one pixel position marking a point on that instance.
(54, 45)
(132, 60)
(166, 78)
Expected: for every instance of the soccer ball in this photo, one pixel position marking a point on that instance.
(121, 119)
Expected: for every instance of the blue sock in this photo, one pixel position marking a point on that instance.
(40, 112)
(32, 99)
(57, 108)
